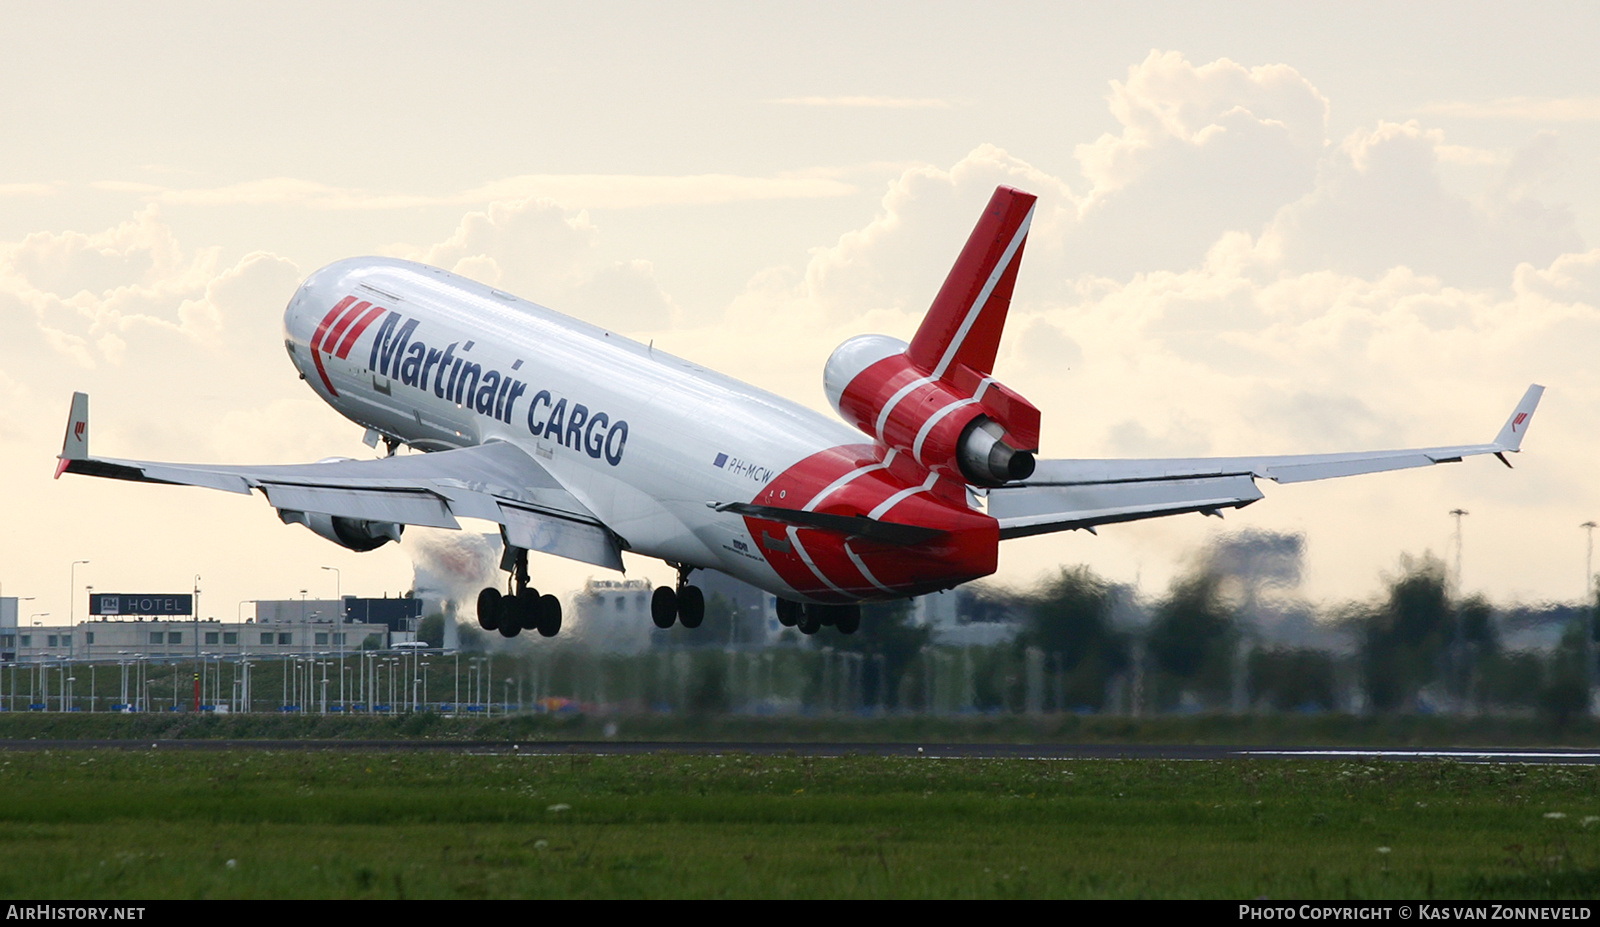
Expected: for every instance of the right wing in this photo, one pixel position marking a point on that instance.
(496, 482)
(1065, 494)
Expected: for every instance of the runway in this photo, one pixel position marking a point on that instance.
(1061, 752)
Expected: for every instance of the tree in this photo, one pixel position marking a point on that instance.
(715, 630)
(1070, 615)
(886, 631)
(1192, 637)
(431, 630)
(1404, 638)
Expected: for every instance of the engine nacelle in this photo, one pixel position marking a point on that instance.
(963, 424)
(355, 534)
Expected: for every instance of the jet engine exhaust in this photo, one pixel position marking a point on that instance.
(986, 459)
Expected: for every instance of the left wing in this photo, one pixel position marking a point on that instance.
(497, 482)
(1066, 494)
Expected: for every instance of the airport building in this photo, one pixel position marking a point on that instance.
(279, 628)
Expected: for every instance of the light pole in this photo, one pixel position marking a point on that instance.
(1588, 610)
(1457, 513)
(72, 582)
(339, 621)
(196, 609)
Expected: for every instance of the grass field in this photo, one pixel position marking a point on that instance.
(151, 824)
(1279, 729)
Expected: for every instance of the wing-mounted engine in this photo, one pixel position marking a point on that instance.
(934, 399)
(357, 534)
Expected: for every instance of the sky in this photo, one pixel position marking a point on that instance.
(1262, 228)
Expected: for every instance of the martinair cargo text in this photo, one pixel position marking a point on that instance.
(584, 444)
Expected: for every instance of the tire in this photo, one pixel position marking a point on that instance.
(848, 621)
(788, 613)
(691, 606)
(528, 609)
(664, 607)
(549, 616)
(810, 621)
(489, 609)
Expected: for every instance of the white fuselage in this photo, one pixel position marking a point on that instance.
(645, 439)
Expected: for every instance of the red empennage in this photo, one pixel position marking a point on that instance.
(964, 323)
(935, 399)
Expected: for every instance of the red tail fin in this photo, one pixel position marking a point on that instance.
(964, 323)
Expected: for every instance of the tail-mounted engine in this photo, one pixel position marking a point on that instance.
(964, 423)
(355, 534)
(934, 398)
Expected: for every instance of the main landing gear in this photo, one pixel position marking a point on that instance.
(685, 604)
(524, 609)
(810, 619)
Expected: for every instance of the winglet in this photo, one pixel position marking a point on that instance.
(75, 446)
(1510, 436)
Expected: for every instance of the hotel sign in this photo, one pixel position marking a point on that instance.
(143, 604)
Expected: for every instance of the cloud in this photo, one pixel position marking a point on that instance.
(553, 256)
(1534, 109)
(1285, 295)
(28, 189)
(1203, 149)
(594, 191)
(867, 101)
(1380, 204)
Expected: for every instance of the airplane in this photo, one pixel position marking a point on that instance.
(583, 444)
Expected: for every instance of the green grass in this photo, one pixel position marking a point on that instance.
(151, 824)
(1259, 729)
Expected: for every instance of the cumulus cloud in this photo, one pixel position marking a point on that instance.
(594, 191)
(1380, 203)
(128, 308)
(868, 101)
(1202, 149)
(1286, 295)
(1534, 109)
(553, 256)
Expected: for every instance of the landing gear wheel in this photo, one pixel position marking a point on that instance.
(664, 607)
(528, 609)
(489, 609)
(511, 617)
(788, 613)
(810, 620)
(691, 606)
(549, 616)
(848, 620)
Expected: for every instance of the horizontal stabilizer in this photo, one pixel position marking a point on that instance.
(1066, 494)
(860, 526)
(1043, 509)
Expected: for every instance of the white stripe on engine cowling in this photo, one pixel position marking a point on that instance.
(883, 417)
(927, 427)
